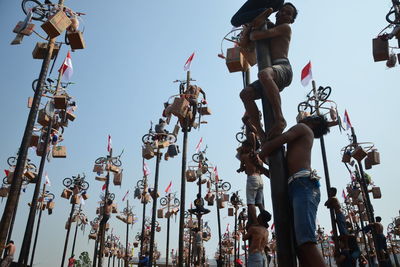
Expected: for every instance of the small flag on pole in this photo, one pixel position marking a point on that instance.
(227, 228)
(199, 145)
(306, 74)
(126, 194)
(104, 187)
(346, 120)
(47, 180)
(168, 187)
(109, 144)
(188, 62)
(6, 172)
(344, 194)
(146, 170)
(66, 68)
(216, 174)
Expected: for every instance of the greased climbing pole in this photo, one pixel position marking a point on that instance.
(279, 180)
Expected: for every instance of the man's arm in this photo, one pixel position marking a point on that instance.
(283, 29)
(247, 235)
(203, 93)
(287, 137)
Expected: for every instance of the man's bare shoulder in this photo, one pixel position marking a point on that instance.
(301, 129)
(284, 27)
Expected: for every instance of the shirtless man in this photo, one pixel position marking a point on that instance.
(333, 203)
(304, 191)
(258, 240)
(254, 184)
(108, 210)
(10, 254)
(273, 79)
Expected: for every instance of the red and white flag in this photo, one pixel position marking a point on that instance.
(109, 144)
(6, 172)
(168, 187)
(306, 74)
(199, 145)
(273, 227)
(126, 194)
(47, 180)
(66, 68)
(104, 187)
(216, 174)
(344, 194)
(146, 170)
(346, 120)
(188, 62)
(227, 228)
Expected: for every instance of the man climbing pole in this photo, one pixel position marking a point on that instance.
(303, 183)
(272, 79)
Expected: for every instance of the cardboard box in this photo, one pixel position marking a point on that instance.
(359, 153)
(34, 140)
(40, 50)
(56, 24)
(71, 116)
(76, 40)
(205, 111)
(98, 168)
(66, 193)
(59, 152)
(235, 60)
(28, 29)
(179, 107)
(60, 101)
(380, 49)
(374, 157)
(190, 175)
(117, 178)
(43, 119)
(160, 213)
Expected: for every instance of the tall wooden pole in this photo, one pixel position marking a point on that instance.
(277, 167)
(127, 234)
(68, 230)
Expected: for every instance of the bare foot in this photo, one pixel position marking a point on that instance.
(260, 19)
(276, 129)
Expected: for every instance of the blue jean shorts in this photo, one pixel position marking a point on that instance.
(305, 196)
(254, 189)
(257, 260)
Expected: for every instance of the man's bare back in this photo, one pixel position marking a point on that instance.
(299, 150)
(259, 238)
(11, 249)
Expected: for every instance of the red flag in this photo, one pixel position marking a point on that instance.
(216, 174)
(6, 172)
(306, 74)
(199, 145)
(146, 170)
(227, 228)
(104, 187)
(109, 144)
(344, 194)
(126, 194)
(66, 68)
(168, 187)
(188, 62)
(346, 120)
(273, 227)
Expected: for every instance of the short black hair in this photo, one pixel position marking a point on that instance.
(294, 8)
(378, 218)
(12, 242)
(320, 125)
(264, 217)
(333, 191)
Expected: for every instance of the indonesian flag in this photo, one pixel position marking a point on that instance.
(47, 180)
(199, 145)
(104, 187)
(216, 174)
(168, 187)
(109, 144)
(146, 170)
(6, 172)
(188, 62)
(273, 227)
(344, 194)
(66, 68)
(306, 74)
(346, 120)
(126, 194)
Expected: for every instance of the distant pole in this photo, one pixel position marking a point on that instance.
(168, 225)
(154, 211)
(219, 225)
(68, 230)
(127, 234)
(183, 184)
(76, 231)
(279, 186)
(37, 228)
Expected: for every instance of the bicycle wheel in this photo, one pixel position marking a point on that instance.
(324, 93)
(177, 202)
(147, 138)
(163, 201)
(226, 186)
(100, 160)
(305, 107)
(240, 137)
(111, 196)
(171, 138)
(12, 161)
(84, 186)
(140, 183)
(156, 224)
(67, 182)
(391, 17)
(186, 214)
(116, 162)
(36, 7)
(196, 157)
(5, 180)
(50, 196)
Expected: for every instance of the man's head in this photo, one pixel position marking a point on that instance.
(12, 242)
(109, 202)
(332, 192)
(378, 219)
(263, 218)
(318, 124)
(286, 14)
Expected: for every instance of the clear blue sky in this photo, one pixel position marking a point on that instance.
(135, 49)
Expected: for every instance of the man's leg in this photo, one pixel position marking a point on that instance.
(271, 91)
(248, 96)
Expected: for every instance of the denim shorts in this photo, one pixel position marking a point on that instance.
(305, 196)
(257, 259)
(254, 189)
(341, 223)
